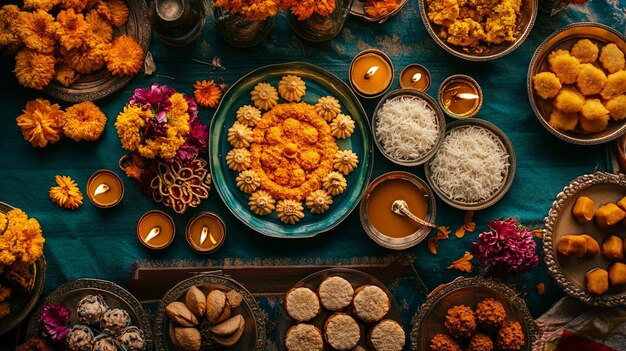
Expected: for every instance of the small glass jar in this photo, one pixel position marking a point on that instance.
(319, 28)
(239, 31)
(177, 22)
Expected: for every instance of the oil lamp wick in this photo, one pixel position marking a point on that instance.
(466, 96)
(370, 72)
(154, 232)
(416, 77)
(204, 234)
(102, 188)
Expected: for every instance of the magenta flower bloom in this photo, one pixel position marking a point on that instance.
(54, 321)
(156, 98)
(508, 248)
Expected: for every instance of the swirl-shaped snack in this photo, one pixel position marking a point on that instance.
(239, 135)
(291, 88)
(289, 211)
(342, 126)
(318, 201)
(334, 183)
(238, 159)
(261, 203)
(248, 115)
(248, 181)
(264, 96)
(345, 161)
(328, 108)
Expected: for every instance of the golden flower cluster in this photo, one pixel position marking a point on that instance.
(257, 10)
(43, 123)
(22, 242)
(66, 193)
(380, 8)
(207, 93)
(306, 8)
(62, 39)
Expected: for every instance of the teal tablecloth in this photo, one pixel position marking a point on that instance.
(92, 242)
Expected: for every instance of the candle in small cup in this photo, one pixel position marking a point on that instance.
(156, 230)
(205, 232)
(416, 77)
(460, 96)
(371, 73)
(105, 189)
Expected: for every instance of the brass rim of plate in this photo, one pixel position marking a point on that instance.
(386, 58)
(90, 195)
(193, 245)
(169, 219)
(460, 78)
(418, 66)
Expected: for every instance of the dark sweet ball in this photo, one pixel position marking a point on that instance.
(460, 322)
(490, 314)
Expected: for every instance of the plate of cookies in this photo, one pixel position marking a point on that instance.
(340, 309)
(577, 83)
(209, 312)
(473, 314)
(583, 242)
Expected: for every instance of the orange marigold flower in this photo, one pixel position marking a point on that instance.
(179, 106)
(45, 5)
(207, 94)
(33, 69)
(8, 23)
(235, 6)
(40, 122)
(23, 241)
(66, 193)
(118, 11)
(73, 31)
(380, 8)
(125, 56)
(101, 29)
(65, 75)
(78, 5)
(133, 171)
(85, 62)
(83, 121)
(128, 124)
(258, 11)
(306, 8)
(37, 30)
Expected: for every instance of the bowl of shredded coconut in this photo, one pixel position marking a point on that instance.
(408, 127)
(474, 166)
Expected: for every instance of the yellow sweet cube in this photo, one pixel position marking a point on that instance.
(608, 215)
(597, 281)
(617, 273)
(583, 209)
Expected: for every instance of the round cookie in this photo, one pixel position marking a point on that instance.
(371, 303)
(302, 304)
(304, 337)
(388, 335)
(335, 293)
(342, 332)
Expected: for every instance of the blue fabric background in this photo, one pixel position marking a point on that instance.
(92, 242)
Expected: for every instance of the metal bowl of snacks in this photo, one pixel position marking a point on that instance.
(482, 45)
(408, 126)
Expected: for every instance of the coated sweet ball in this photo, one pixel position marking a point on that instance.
(510, 337)
(490, 314)
(460, 322)
(444, 342)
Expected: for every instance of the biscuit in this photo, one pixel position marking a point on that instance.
(342, 332)
(302, 304)
(335, 293)
(304, 337)
(371, 303)
(387, 335)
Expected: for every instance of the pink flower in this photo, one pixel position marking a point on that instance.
(54, 319)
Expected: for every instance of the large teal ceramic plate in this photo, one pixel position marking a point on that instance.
(319, 83)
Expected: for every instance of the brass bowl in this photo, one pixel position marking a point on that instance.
(524, 25)
(564, 38)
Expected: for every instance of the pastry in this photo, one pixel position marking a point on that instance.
(341, 331)
(222, 332)
(132, 338)
(546, 84)
(248, 115)
(304, 337)
(490, 314)
(248, 181)
(563, 121)
(444, 342)
(291, 88)
(234, 298)
(328, 108)
(264, 96)
(590, 79)
(180, 313)
(345, 161)
(289, 211)
(302, 304)
(80, 338)
(612, 58)
(617, 274)
(342, 126)
(479, 342)
(460, 322)
(585, 51)
(594, 110)
(318, 201)
(261, 203)
(90, 309)
(238, 159)
(594, 125)
(388, 335)
(615, 85)
(239, 135)
(334, 183)
(195, 301)
(583, 209)
(114, 320)
(613, 248)
(569, 100)
(370, 303)
(335, 293)
(608, 215)
(215, 304)
(564, 65)
(572, 245)
(104, 342)
(615, 105)
(592, 247)
(510, 337)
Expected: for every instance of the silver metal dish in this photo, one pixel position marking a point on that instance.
(408, 241)
(569, 272)
(357, 279)
(510, 172)
(565, 38)
(486, 52)
(115, 296)
(414, 94)
(358, 10)
(429, 318)
(254, 335)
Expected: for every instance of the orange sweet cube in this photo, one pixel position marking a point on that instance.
(583, 209)
(608, 215)
(597, 281)
(617, 273)
(613, 248)
(574, 245)
(593, 248)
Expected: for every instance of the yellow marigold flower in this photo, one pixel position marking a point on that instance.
(85, 62)
(83, 121)
(23, 241)
(32, 69)
(45, 5)
(101, 29)
(179, 106)
(8, 23)
(124, 57)
(128, 124)
(133, 171)
(258, 11)
(118, 12)
(65, 75)
(179, 125)
(78, 5)
(207, 94)
(37, 30)
(66, 193)
(164, 147)
(73, 31)
(41, 122)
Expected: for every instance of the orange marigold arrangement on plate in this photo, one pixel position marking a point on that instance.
(21, 245)
(380, 8)
(43, 123)
(61, 40)
(258, 10)
(161, 130)
(287, 159)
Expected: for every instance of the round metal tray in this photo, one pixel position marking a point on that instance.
(254, 335)
(569, 272)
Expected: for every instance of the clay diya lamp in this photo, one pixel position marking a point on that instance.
(156, 230)
(416, 77)
(371, 73)
(460, 96)
(105, 189)
(205, 233)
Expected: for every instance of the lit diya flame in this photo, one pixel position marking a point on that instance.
(154, 232)
(416, 77)
(466, 96)
(101, 189)
(371, 72)
(204, 234)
